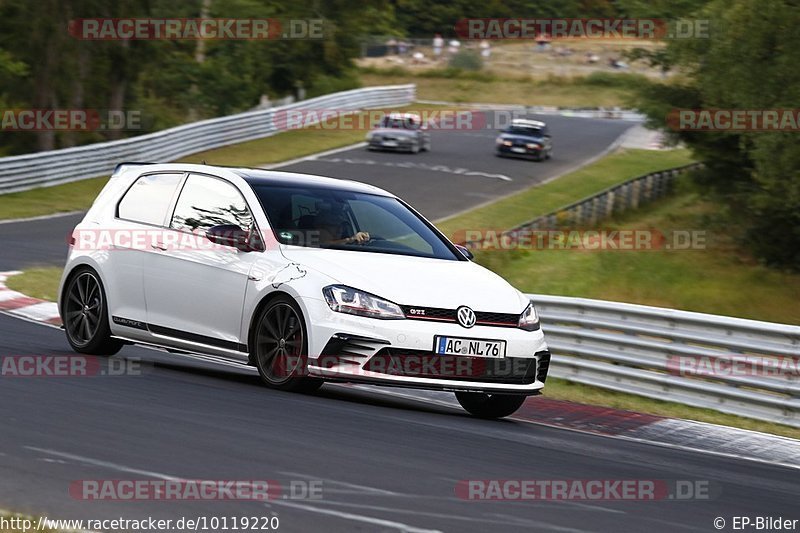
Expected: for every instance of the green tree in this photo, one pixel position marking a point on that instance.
(748, 62)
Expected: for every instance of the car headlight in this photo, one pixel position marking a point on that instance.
(533, 146)
(499, 140)
(344, 299)
(507, 143)
(370, 135)
(529, 320)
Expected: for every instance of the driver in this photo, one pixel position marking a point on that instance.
(333, 226)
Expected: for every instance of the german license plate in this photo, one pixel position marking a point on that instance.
(390, 143)
(518, 150)
(469, 347)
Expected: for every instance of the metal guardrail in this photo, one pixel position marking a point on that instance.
(614, 200)
(733, 365)
(43, 169)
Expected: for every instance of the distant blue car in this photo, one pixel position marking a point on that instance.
(525, 138)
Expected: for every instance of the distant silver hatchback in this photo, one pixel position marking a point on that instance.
(400, 132)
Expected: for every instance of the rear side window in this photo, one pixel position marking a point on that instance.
(206, 202)
(149, 198)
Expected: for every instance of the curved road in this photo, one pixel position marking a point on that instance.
(385, 462)
(460, 172)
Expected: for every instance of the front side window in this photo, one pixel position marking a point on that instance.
(205, 202)
(149, 198)
(400, 122)
(330, 218)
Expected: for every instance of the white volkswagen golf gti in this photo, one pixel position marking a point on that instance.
(307, 278)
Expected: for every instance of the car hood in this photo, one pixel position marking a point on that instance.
(394, 132)
(415, 281)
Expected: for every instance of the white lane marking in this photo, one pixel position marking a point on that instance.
(362, 488)
(510, 520)
(355, 517)
(458, 171)
(311, 157)
(41, 312)
(40, 217)
(5, 275)
(8, 295)
(32, 321)
(104, 464)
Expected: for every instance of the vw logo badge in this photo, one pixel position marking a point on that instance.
(465, 316)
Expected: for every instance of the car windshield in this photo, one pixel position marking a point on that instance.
(530, 131)
(407, 123)
(343, 220)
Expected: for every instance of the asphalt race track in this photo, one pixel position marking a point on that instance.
(382, 461)
(385, 463)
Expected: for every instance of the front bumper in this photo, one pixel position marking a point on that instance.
(400, 352)
(529, 153)
(402, 145)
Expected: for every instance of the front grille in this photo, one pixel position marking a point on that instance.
(483, 318)
(426, 364)
(544, 366)
(347, 348)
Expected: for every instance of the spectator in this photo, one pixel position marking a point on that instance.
(486, 49)
(438, 44)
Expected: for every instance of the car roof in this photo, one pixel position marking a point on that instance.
(524, 122)
(257, 176)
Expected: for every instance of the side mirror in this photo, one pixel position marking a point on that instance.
(465, 252)
(230, 235)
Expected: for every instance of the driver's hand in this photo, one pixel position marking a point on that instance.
(359, 238)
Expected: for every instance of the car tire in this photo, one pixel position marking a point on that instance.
(484, 405)
(84, 310)
(280, 347)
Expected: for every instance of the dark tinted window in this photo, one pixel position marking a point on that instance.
(526, 130)
(328, 218)
(206, 202)
(397, 122)
(148, 198)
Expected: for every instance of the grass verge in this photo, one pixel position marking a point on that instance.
(20, 523)
(78, 196)
(37, 282)
(455, 86)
